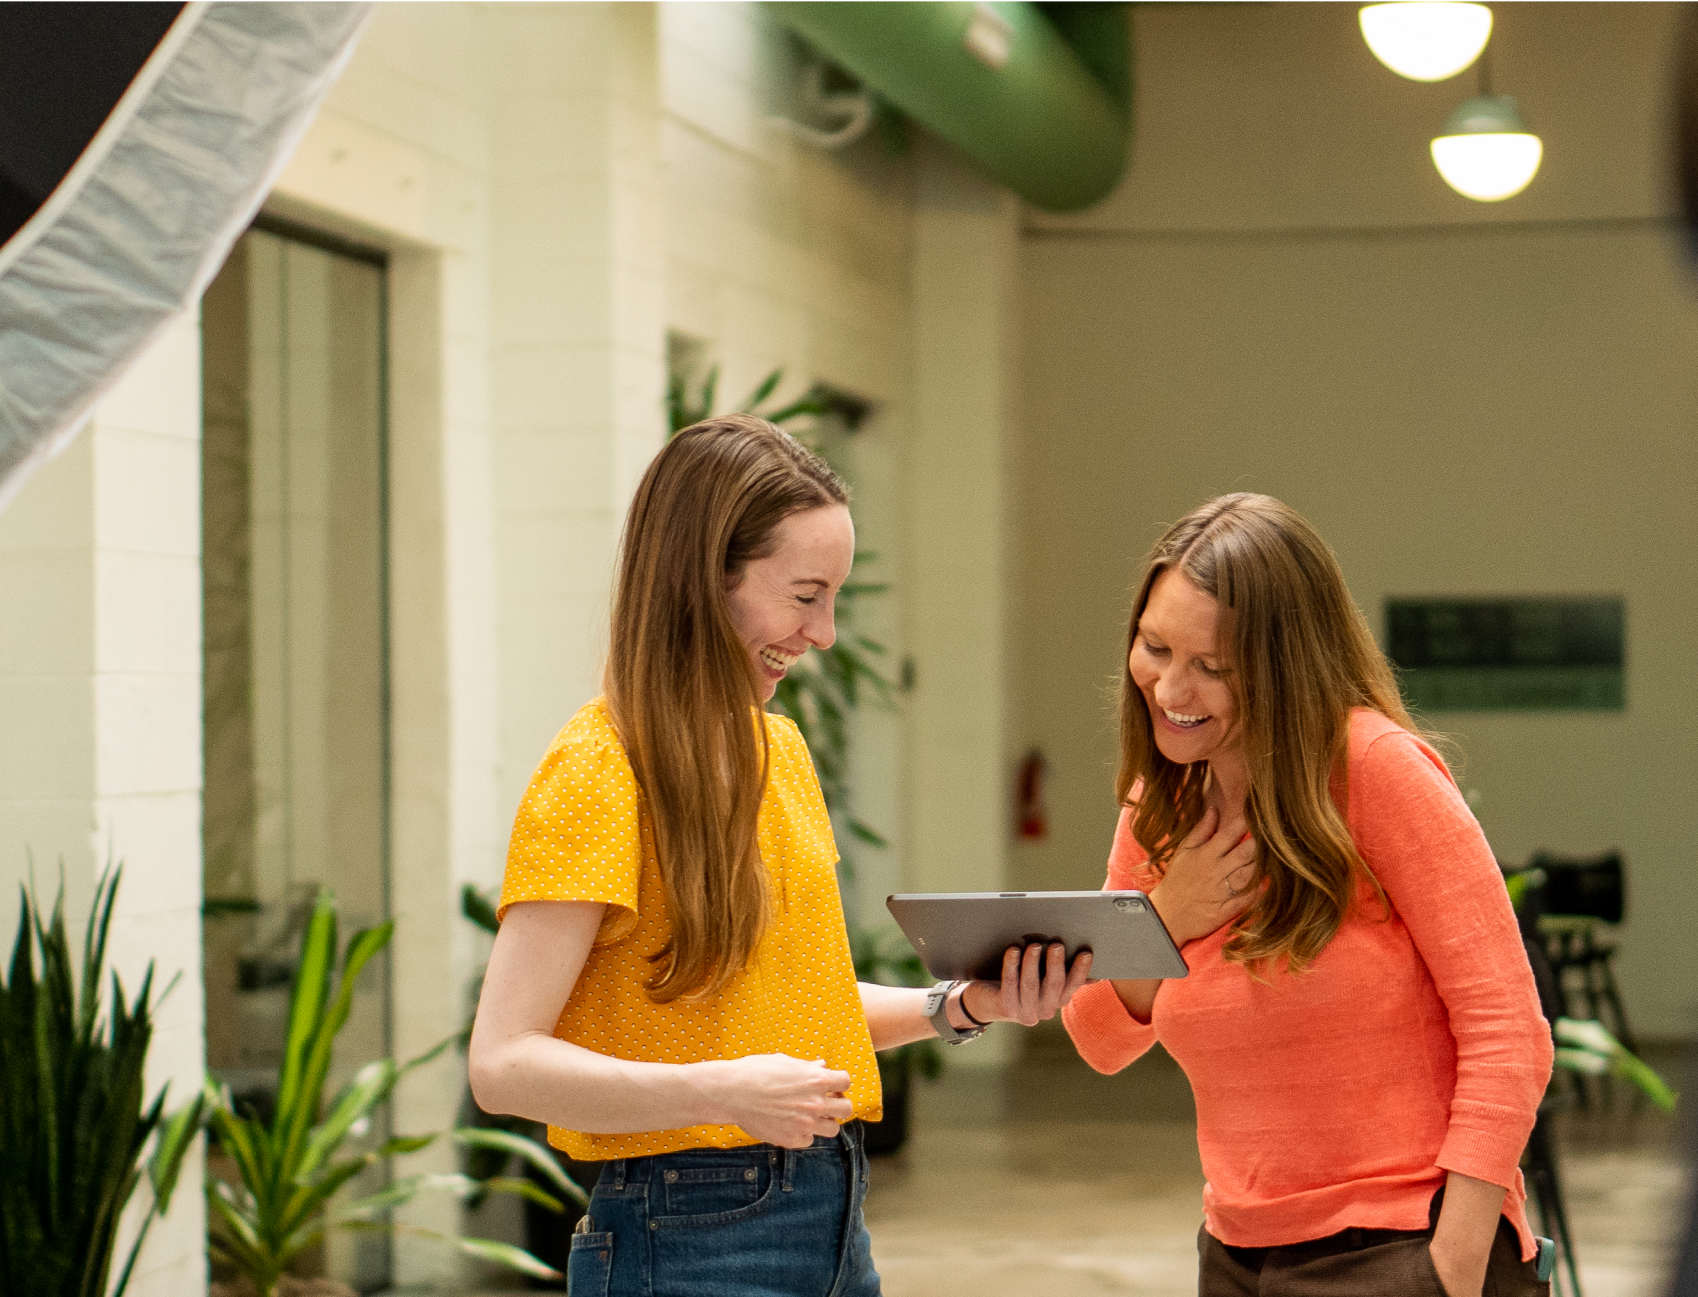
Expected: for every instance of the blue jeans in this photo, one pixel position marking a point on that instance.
(758, 1221)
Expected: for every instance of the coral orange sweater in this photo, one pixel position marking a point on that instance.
(1413, 1046)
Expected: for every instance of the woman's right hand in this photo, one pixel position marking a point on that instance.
(1207, 883)
(778, 1099)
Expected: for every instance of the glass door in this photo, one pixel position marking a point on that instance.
(296, 683)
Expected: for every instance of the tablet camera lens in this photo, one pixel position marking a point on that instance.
(1129, 905)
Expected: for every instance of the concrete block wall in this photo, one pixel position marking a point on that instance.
(100, 738)
(780, 255)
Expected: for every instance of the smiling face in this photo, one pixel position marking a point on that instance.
(783, 605)
(1176, 665)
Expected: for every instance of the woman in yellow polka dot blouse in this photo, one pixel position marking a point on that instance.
(671, 989)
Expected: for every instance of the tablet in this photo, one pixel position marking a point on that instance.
(963, 934)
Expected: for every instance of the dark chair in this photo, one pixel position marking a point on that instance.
(1579, 904)
(1539, 1160)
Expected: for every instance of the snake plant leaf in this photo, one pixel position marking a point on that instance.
(74, 1120)
(538, 1156)
(307, 1000)
(94, 946)
(172, 1145)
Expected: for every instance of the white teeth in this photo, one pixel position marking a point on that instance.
(1180, 718)
(778, 659)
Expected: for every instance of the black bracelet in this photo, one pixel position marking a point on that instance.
(967, 1013)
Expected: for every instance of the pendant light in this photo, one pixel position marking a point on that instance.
(1426, 40)
(1486, 152)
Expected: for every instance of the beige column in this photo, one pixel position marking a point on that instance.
(100, 733)
(578, 360)
(955, 582)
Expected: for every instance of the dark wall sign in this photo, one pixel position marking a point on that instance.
(1509, 654)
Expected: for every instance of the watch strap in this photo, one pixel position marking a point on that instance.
(937, 1010)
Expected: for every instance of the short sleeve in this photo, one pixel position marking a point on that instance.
(578, 835)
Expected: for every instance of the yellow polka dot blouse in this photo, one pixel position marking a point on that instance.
(583, 833)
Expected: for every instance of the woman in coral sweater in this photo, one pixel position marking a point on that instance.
(1359, 1024)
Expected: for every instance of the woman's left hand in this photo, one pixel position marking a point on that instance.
(1036, 983)
(1462, 1241)
(1462, 1272)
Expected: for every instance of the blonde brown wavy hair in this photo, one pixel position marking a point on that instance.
(1299, 657)
(680, 687)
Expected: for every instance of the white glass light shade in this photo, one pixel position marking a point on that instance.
(1488, 168)
(1426, 40)
(1487, 152)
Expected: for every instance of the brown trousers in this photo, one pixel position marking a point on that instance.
(1355, 1263)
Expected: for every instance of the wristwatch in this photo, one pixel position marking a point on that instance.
(937, 1009)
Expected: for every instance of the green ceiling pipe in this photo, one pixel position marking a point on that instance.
(1053, 123)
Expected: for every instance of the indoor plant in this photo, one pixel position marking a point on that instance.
(73, 1118)
(291, 1166)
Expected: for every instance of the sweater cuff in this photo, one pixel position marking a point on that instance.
(1105, 1034)
(1485, 1144)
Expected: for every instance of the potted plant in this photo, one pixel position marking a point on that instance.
(291, 1163)
(74, 1122)
(548, 1234)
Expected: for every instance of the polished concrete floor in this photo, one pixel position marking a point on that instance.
(1050, 1179)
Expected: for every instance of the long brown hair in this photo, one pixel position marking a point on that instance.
(1300, 656)
(680, 686)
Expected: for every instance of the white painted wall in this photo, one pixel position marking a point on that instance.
(780, 255)
(578, 361)
(1284, 297)
(400, 156)
(100, 719)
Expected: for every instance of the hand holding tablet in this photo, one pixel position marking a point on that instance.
(968, 935)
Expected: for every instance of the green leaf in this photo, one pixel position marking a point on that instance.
(361, 949)
(233, 1214)
(364, 1091)
(507, 1254)
(763, 391)
(175, 1138)
(521, 1187)
(403, 1191)
(476, 907)
(429, 1055)
(536, 1154)
(867, 835)
(307, 1000)
(1655, 1088)
(808, 404)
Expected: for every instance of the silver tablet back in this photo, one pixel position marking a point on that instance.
(963, 934)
